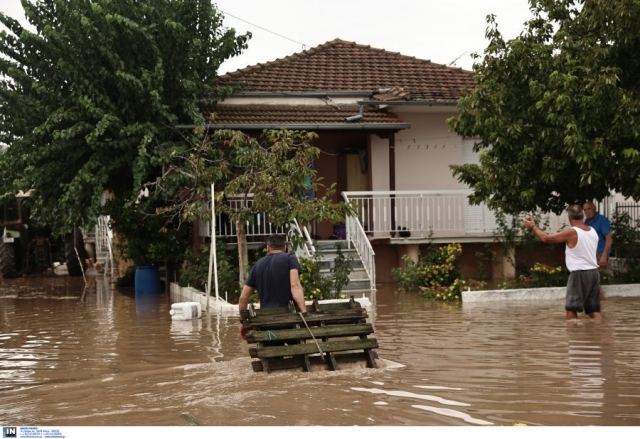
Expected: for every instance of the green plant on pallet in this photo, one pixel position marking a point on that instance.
(319, 286)
(314, 284)
(341, 270)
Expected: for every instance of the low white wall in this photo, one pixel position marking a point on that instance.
(189, 294)
(552, 293)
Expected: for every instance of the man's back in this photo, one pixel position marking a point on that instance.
(270, 276)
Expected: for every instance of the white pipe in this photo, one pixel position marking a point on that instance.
(213, 269)
(213, 242)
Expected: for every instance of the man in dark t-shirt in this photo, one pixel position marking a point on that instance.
(276, 277)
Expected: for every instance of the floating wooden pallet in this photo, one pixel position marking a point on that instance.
(327, 333)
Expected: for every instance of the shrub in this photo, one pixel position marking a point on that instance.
(317, 285)
(196, 270)
(314, 284)
(544, 275)
(434, 275)
(626, 245)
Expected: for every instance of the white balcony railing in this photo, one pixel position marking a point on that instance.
(426, 214)
(259, 226)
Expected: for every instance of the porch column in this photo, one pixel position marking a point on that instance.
(504, 265)
(392, 179)
(412, 251)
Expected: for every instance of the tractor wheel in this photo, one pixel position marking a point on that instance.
(72, 242)
(7, 259)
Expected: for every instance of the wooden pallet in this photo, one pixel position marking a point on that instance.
(327, 333)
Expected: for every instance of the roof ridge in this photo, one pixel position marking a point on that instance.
(294, 55)
(329, 44)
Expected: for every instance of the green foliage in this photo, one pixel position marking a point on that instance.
(91, 92)
(435, 274)
(444, 293)
(317, 285)
(544, 275)
(314, 284)
(341, 270)
(626, 246)
(556, 111)
(150, 239)
(196, 271)
(276, 169)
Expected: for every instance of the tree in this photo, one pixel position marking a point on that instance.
(556, 111)
(275, 168)
(91, 91)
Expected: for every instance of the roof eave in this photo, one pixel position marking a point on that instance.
(260, 126)
(314, 93)
(422, 102)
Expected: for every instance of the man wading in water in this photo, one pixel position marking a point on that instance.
(583, 286)
(276, 277)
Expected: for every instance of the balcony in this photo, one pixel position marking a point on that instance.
(439, 216)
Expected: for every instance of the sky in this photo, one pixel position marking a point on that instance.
(443, 31)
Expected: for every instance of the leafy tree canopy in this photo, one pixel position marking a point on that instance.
(556, 111)
(91, 90)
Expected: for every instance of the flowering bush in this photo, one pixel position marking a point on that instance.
(434, 275)
(544, 275)
(314, 284)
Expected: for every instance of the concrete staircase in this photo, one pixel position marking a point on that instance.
(359, 282)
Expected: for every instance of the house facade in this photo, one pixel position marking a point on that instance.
(381, 119)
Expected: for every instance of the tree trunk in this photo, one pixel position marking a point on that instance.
(243, 253)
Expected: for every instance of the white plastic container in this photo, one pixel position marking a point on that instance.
(185, 311)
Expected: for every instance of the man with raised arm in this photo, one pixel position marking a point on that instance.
(580, 257)
(276, 276)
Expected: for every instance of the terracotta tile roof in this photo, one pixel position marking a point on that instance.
(342, 65)
(282, 116)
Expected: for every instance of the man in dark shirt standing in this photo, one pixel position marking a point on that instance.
(276, 277)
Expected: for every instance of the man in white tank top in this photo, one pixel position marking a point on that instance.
(583, 286)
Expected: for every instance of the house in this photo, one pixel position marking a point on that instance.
(381, 118)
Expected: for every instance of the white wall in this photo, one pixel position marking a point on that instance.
(379, 163)
(423, 154)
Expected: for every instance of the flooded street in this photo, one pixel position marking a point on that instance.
(100, 358)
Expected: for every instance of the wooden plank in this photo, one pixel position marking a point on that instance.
(265, 365)
(290, 316)
(271, 311)
(314, 307)
(371, 362)
(280, 364)
(306, 365)
(329, 307)
(303, 333)
(331, 360)
(344, 360)
(311, 348)
(289, 319)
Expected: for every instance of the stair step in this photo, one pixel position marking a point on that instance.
(324, 244)
(356, 274)
(357, 285)
(327, 264)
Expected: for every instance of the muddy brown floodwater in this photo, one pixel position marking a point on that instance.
(69, 357)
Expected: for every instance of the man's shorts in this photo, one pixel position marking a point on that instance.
(583, 291)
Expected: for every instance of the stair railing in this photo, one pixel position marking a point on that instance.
(357, 236)
(307, 249)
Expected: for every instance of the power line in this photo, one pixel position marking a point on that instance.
(304, 46)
